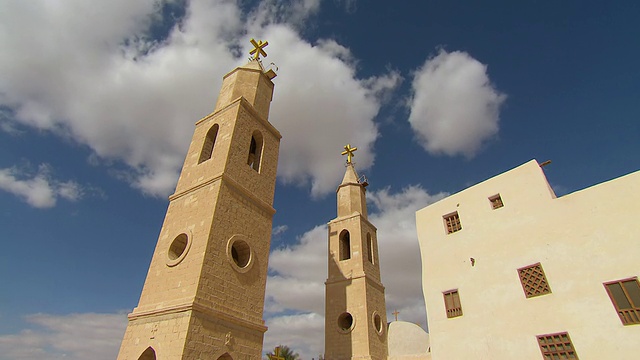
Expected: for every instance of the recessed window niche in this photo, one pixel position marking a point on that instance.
(178, 249)
(345, 322)
(377, 322)
(239, 253)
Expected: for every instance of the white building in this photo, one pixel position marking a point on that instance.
(510, 271)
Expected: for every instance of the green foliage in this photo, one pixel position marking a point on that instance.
(285, 352)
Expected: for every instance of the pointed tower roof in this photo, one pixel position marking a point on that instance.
(351, 193)
(350, 176)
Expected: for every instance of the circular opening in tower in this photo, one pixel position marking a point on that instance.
(178, 246)
(239, 253)
(377, 322)
(345, 322)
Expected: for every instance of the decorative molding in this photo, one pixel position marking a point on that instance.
(348, 217)
(377, 284)
(207, 312)
(246, 105)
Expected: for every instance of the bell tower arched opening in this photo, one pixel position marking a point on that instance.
(209, 143)
(148, 354)
(255, 151)
(369, 248)
(345, 245)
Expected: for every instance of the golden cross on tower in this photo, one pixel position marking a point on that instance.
(276, 355)
(395, 313)
(258, 49)
(348, 150)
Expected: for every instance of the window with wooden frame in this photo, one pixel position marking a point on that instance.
(452, 303)
(496, 201)
(452, 222)
(556, 346)
(534, 281)
(625, 296)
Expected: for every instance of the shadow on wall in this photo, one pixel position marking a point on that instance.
(339, 321)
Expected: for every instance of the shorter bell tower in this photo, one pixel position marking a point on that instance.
(355, 313)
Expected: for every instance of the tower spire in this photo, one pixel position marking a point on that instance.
(351, 193)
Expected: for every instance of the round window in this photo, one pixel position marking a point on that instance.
(345, 322)
(239, 253)
(377, 322)
(178, 249)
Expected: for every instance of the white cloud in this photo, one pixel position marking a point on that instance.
(298, 274)
(6, 125)
(294, 12)
(39, 190)
(9, 127)
(279, 230)
(98, 79)
(71, 337)
(454, 108)
(319, 106)
(303, 333)
(295, 288)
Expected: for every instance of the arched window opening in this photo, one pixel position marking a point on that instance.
(226, 356)
(148, 354)
(345, 245)
(255, 151)
(209, 142)
(369, 248)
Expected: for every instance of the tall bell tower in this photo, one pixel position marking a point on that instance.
(355, 313)
(203, 297)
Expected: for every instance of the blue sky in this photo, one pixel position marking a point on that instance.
(98, 101)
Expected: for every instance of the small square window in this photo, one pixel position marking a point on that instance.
(496, 202)
(452, 303)
(625, 296)
(452, 222)
(534, 282)
(556, 346)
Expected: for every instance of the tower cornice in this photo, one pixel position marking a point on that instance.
(246, 68)
(368, 278)
(228, 180)
(246, 105)
(347, 217)
(191, 306)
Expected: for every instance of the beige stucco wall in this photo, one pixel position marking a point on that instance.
(407, 341)
(581, 239)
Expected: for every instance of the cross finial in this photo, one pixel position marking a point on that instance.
(395, 313)
(276, 355)
(348, 150)
(258, 49)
